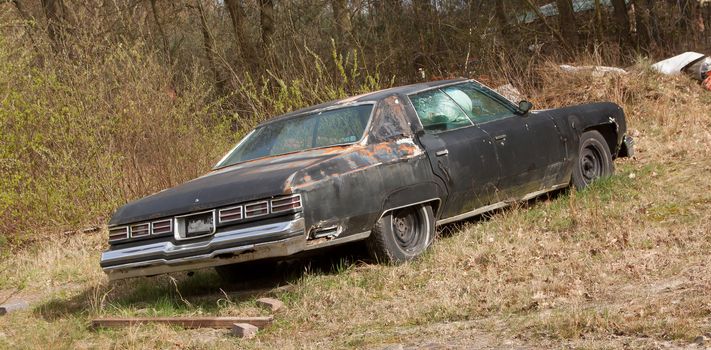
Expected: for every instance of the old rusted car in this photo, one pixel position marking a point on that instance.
(385, 168)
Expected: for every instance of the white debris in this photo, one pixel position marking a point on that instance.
(597, 71)
(674, 65)
(405, 141)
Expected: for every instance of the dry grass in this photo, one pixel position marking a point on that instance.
(623, 264)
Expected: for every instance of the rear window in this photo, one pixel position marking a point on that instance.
(321, 129)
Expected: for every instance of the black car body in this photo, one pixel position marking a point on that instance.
(416, 150)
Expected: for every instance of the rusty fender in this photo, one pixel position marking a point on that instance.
(348, 193)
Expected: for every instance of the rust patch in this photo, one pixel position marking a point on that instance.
(355, 159)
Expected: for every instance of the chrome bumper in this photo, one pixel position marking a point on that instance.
(627, 147)
(276, 240)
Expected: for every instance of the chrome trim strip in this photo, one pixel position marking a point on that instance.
(233, 149)
(498, 205)
(543, 191)
(474, 212)
(411, 204)
(320, 243)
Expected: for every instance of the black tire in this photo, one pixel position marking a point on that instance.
(594, 160)
(402, 234)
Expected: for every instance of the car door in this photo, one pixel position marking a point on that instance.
(461, 154)
(529, 147)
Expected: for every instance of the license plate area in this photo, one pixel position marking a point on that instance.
(195, 225)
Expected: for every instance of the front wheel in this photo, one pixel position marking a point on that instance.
(594, 160)
(402, 234)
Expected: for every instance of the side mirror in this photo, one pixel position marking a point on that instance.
(524, 106)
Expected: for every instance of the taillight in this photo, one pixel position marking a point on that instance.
(256, 209)
(161, 227)
(140, 230)
(230, 214)
(286, 203)
(118, 233)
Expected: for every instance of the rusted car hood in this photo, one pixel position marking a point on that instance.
(247, 181)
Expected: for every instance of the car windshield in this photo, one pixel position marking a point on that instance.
(321, 129)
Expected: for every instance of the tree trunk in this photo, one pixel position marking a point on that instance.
(689, 19)
(161, 32)
(53, 11)
(598, 25)
(423, 27)
(239, 20)
(207, 42)
(500, 13)
(385, 17)
(653, 21)
(563, 41)
(28, 19)
(266, 18)
(622, 20)
(642, 21)
(343, 20)
(568, 26)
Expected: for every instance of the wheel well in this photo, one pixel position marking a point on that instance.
(434, 203)
(609, 132)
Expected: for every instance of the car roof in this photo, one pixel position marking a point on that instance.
(367, 97)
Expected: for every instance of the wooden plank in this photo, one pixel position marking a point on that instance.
(8, 308)
(185, 322)
(244, 330)
(272, 304)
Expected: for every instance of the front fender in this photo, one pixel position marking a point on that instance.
(606, 117)
(347, 192)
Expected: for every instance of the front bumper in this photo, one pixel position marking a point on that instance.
(627, 147)
(229, 247)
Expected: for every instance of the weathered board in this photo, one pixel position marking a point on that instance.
(185, 322)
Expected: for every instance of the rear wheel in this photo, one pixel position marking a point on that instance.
(402, 234)
(594, 160)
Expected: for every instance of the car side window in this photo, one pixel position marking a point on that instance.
(479, 106)
(438, 112)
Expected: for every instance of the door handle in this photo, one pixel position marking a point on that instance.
(500, 137)
(442, 153)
